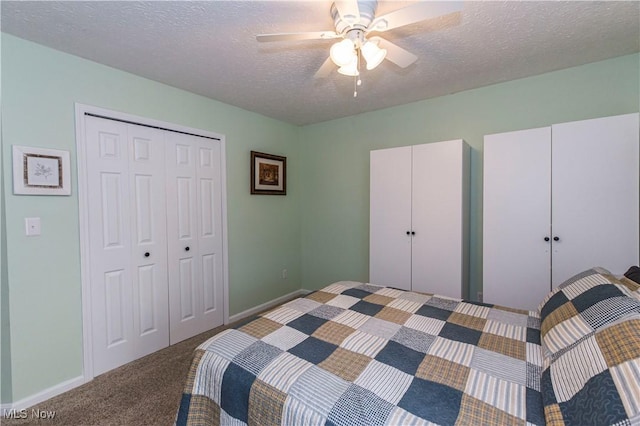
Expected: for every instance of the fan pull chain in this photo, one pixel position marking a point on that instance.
(356, 78)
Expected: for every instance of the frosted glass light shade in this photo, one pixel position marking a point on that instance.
(373, 54)
(343, 52)
(350, 69)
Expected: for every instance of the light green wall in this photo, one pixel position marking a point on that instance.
(39, 89)
(5, 331)
(335, 154)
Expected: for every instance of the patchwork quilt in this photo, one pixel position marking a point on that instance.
(358, 354)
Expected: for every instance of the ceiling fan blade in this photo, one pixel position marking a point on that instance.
(325, 69)
(395, 53)
(348, 11)
(414, 13)
(311, 35)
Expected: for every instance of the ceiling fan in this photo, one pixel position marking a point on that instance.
(354, 20)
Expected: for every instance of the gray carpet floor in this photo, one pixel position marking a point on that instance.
(144, 392)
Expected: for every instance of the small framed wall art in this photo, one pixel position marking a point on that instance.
(39, 171)
(268, 174)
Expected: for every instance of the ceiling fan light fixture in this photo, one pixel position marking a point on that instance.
(373, 54)
(351, 69)
(343, 52)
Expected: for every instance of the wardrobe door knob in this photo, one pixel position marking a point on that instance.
(147, 254)
(408, 233)
(556, 238)
(547, 238)
(413, 232)
(187, 248)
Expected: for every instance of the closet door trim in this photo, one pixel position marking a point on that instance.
(81, 111)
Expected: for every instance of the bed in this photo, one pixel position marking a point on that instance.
(358, 354)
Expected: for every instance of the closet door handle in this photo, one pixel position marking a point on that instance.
(556, 238)
(547, 238)
(186, 248)
(413, 232)
(147, 254)
(408, 233)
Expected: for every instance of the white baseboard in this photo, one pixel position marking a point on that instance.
(41, 396)
(267, 305)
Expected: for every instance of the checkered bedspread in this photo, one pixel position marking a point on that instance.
(358, 354)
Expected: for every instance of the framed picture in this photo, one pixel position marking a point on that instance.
(39, 171)
(268, 174)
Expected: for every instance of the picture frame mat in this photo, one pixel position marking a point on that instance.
(41, 171)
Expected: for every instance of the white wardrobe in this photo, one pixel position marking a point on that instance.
(418, 237)
(558, 200)
(154, 252)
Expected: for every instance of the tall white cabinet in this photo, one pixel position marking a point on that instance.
(154, 258)
(556, 201)
(418, 237)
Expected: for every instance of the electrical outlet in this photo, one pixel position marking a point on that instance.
(479, 296)
(285, 274)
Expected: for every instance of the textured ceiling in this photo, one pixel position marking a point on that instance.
(209, 48)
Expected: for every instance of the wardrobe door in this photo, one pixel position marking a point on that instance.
(128, 287)
(439, 190)
(194, 235)
(595, 195)
(516, 217)
(390, 218)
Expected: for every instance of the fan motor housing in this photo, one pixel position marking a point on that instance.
(367, 10)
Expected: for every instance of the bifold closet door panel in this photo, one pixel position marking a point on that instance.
(595, 195)
(128, 287)
(390, 218)
(149, 237)
(438, 217)
(194, 235)
(210, 238)
(516, 217)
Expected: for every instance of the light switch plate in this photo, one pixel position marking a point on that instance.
(32, 226)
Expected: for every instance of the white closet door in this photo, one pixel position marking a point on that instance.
(516, 217)
(390, 218)
(149, 238)
(210, 238)
(595, 195)
(194, 235)
(128, 289)
(437, 218)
